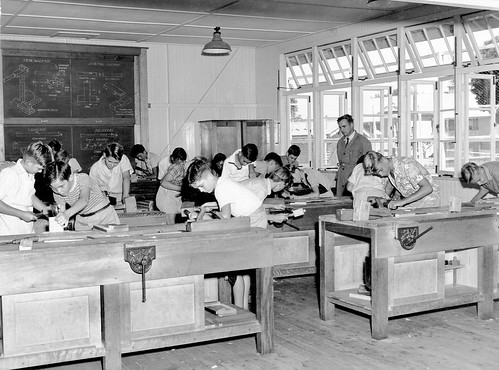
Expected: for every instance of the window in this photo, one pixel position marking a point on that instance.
(300, 126)
(299, 69)
(483, 33)
(334, 103)
(378, 55)
(335, 62)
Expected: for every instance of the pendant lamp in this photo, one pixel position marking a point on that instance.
(216, 46)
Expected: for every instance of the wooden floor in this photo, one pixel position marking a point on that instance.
(449, 339)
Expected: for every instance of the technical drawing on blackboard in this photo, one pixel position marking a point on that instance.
(103, 88)
(17, 138)
(34, 87)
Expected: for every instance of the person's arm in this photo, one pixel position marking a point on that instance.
(155, 172)
(349, 186)
(11, 211)
(39, 205)
(425, 189)
(226, 211)
(167, 183)
(481, 193)
(126, 184)
(63, 217)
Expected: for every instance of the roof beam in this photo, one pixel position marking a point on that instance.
(473, 4)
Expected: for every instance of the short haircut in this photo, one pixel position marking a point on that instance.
(136, 150)
(113, 150)
(57, 170)
(469, 172)
(55, 145)
(178, 154)
(196, 169)
(62, 156)
(40, 152)
(282, 174)
(371, 162)
(250, 151)
(272, 156)
(218, 157)
(294, 150)
(348, 117)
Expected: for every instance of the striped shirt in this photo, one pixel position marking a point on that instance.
(97, 198)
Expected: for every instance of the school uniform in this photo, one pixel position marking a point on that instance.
(111, 181)
(348, 155)
(17, 190)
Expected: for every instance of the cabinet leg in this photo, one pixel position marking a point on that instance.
(112, 327)
(265, 310)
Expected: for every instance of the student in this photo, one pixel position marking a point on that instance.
(270, 163)
(56, 147)
(239, 166)
(486, 176)
(263, 187)
(112, 173)
(168, 198)
(86, 200)
(405, 175)
(17, 192)
(291, 156)
(366, 187)
(234, 199)
(145, 163)
(318, 183)
(217, 163)
(63, 156)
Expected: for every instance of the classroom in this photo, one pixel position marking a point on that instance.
(249, 184)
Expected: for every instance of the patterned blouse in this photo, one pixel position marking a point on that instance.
(406, 175)
(177, 172)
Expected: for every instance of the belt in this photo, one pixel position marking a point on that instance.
(95, 212)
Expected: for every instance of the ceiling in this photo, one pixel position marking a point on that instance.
(249, 23)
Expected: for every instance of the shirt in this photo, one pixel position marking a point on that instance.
(231, 171)
(177, 172)
(17, 190)
(367, 183)
(492, 172)
(151, 162)
(258, 185)
(243, 202)
(96, 200)
(110, 180)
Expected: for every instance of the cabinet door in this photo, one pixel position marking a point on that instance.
(220, 137)
(257, 132)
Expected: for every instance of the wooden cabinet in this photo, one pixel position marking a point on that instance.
(226, 136)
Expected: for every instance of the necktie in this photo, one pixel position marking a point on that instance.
(348, 139)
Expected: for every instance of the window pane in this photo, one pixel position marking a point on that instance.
(448, 152)
(381, 54)
(299, 69)
(483, 30)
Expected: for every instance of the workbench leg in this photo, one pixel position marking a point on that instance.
(379, 297)
(486, 282)
(326, 272)
(265, 310)
(111, 326)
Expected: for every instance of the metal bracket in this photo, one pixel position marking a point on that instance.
(140, 261)
(407, 236)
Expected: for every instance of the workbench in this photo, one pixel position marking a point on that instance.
(295, 251)
(74, 296)
(454, 262)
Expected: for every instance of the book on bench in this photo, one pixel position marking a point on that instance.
(220, 309)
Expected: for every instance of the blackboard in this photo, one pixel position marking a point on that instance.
(58, 87)
(85, 143)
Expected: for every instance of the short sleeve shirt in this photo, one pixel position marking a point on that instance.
(97, 198)
(243, 202)
(231, 171)
(110, 180)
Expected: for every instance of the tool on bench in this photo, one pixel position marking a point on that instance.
(291, 213)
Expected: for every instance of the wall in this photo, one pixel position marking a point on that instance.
(186, 87)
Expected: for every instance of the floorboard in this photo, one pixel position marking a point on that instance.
(446, 339)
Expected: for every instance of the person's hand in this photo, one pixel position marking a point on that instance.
(279, 207)
(277, 218)
(62, 219)
(394, 204)
(27, 216)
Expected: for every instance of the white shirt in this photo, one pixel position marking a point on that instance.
(230, 170)
(243, 202)
(110, 180)
(17, 190)
(163, 165)
(373, 185)
(258, 185)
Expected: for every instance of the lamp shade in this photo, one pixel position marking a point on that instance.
(216, 46)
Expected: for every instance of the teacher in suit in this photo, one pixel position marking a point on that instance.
(349, 149)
